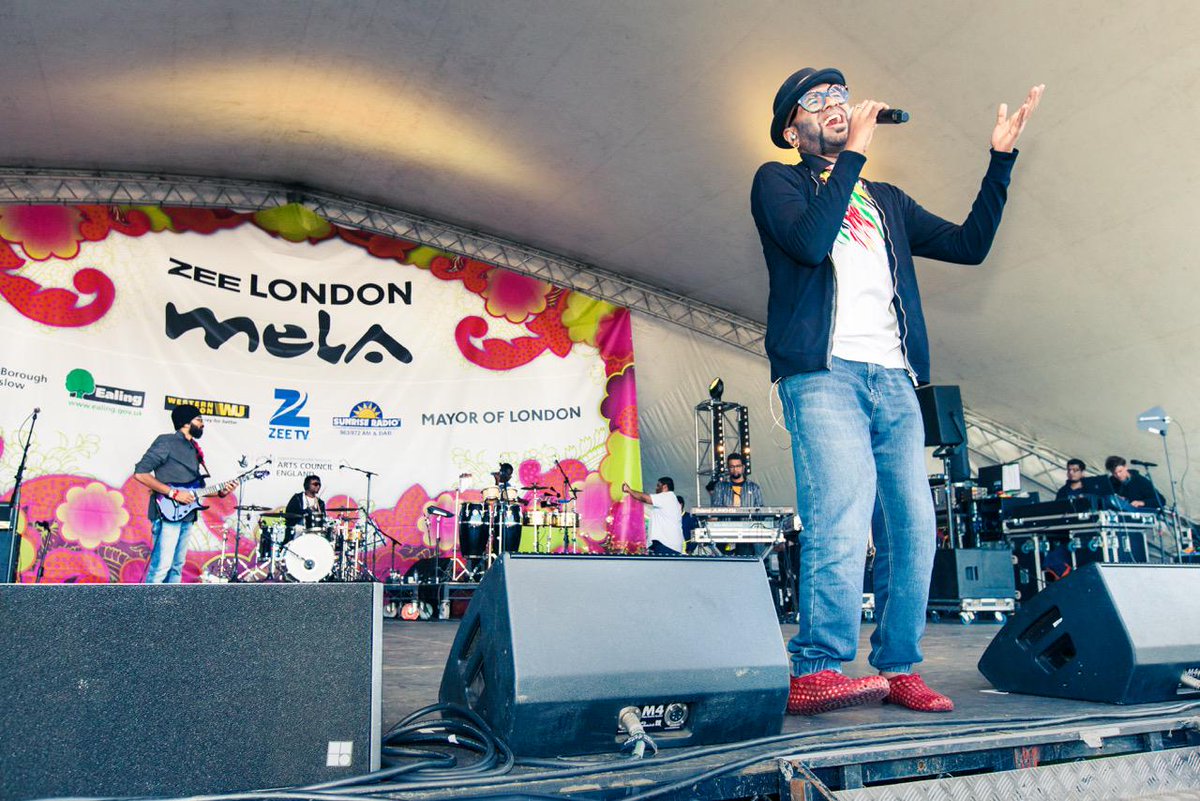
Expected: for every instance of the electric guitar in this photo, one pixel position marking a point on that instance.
(173, 511)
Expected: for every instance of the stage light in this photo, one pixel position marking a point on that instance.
(716, 389)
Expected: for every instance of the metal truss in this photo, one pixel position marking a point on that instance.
(995, 443)
(112, 188)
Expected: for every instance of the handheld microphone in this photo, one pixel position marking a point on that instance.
(891, 116)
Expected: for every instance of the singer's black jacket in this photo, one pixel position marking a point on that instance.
(798, 219)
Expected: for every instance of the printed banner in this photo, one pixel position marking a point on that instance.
(309, 349)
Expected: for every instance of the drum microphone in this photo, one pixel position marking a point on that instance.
(891, 116)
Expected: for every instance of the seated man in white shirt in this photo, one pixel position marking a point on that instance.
(666, 522)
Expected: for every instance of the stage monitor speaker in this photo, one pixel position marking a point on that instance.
(553, 649)
(972, 573)
(1121, 634)
(942, 414)
(132, 690)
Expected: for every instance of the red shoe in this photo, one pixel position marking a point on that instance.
(911, 692)
(830, 690)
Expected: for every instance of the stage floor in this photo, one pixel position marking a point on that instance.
(992, 746)
(414, 654)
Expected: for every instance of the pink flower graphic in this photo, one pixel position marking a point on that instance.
(42, 231)
(514, 297)
(91, 515)
(619, 406)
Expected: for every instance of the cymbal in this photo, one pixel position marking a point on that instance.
(536, 487)
(253, 508)
(342, 509)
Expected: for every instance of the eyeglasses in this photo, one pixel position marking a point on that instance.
(814, 101)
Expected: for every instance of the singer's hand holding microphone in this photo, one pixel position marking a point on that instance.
(864, 117)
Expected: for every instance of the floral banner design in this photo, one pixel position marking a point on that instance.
(309, 348)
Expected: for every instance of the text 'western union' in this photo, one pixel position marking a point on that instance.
(210, 408)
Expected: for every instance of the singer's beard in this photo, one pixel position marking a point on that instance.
(815, 140)
(197, 432)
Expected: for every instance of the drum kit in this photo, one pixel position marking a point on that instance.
(532, 519)
(328, 547)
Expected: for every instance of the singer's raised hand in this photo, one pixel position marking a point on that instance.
(862, 125)
(1008, 129)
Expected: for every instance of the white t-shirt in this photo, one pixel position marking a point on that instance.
(666, 520)
(865, 326)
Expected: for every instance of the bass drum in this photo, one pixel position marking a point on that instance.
(308, 558)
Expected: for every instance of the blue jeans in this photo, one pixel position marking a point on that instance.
(858, 447)
(170, 552)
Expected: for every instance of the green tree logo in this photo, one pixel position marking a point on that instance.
(80, 383)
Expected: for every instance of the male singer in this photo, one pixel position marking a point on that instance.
(847, 344)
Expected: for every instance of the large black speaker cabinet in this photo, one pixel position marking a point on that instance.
(129, 690)
(1120, 634)
(552, 649)
(942, 414)
(972, 573)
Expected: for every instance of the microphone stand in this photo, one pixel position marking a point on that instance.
(1173, 512)
(367, 514)
(569, 487)
(14, 552)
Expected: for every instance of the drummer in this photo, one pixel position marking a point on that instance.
(503, 476)
(306, 509)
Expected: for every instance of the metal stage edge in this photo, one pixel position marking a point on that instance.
(1127, 753)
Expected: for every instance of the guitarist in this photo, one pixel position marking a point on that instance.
(176, 459)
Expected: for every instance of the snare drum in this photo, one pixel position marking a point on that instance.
(562, 519)
(270, 536)
(348, 531)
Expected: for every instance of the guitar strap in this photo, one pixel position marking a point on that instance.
(200, 458)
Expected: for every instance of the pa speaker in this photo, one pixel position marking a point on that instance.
(182, 689)
(553, 649)
(1121, 634)
(942, 414)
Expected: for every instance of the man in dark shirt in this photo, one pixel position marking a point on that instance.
(305, 508)
(1074, 485)
(173, 459)
(737, 490)
(847, 342)
(1132, 485)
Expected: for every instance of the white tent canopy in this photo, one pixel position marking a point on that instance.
(624, 135)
